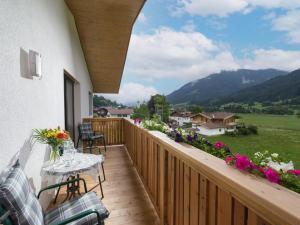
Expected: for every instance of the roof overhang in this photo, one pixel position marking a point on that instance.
(104, 28)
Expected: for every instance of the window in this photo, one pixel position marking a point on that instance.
(90, 103)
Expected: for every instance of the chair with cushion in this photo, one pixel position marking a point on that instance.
(20, 206)
(86, 134)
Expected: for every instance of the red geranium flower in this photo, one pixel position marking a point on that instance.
(295, 172)
(272, 175)
(228, 159)
(219, 145)
(242, 162)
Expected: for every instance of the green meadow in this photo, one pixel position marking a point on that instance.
(279, 134)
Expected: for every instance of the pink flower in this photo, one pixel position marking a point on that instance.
(228, 159)
(272, 175)
(219, 145)
(295, 172)
(137, 121)
(242, 162)
(253, 166)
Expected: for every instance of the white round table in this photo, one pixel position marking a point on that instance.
(82, 164)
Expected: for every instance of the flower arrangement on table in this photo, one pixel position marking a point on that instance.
(270, 166)
(52, 137)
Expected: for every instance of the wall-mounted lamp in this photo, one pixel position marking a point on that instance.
(35, 64)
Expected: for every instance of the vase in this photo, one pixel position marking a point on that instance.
(54, 153)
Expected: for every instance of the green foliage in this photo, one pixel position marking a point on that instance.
(298, 114)
(100, 101)
(243, 130)
(278, 110)
(187, 125)
(141, 111)
(253, 129)
(158, 105)
(195, 109)
(155, 124)
(290, 181)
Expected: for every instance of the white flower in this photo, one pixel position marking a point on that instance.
(257, 154)
(274, 155)
(281, 166)
(269, 159)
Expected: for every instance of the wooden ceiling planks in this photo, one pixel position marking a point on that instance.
(104, 28)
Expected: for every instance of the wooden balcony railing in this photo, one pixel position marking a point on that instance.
(188, 186)
(112, 128)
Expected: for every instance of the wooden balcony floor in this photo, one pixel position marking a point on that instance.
(124, 194)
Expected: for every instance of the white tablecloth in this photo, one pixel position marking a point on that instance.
(83, 163)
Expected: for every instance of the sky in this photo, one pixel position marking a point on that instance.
(177, 41)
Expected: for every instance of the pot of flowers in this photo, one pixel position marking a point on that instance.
(53, 137)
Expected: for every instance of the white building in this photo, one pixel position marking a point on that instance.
(181, 117)
(213, 123)
(210, 129)
(83, 50)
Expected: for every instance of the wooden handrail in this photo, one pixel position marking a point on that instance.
(213, 193)
(189, 186)
(112, 128)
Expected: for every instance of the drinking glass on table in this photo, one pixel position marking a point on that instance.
(69, 152)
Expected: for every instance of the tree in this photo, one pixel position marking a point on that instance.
(158, 105)
(141, 111)
(100, 101)
(195, 109)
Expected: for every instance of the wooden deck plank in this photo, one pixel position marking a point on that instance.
(124, 194)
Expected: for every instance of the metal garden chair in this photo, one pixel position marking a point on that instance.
(20, 206)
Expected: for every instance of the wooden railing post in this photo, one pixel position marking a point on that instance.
(162, 183)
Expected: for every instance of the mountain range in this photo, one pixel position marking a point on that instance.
(240, 86)
(275, 89)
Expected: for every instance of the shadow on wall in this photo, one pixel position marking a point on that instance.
(22, 155)
(24, 65)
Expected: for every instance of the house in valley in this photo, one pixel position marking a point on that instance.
(118, 112)
(213, 123)
(181, 118)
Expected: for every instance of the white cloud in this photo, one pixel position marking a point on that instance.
(290, 23)
(176, 54)
(273, 58)
(142, 18)
(190, 26)
(226, 7)
(131, 93)
(271, 4)
(212, 7)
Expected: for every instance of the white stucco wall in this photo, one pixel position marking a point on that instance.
(48, 27)
(181, 120)
(210, 132)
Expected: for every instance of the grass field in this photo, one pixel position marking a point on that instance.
(279, 134)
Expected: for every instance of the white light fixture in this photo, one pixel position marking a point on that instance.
(35, 64)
